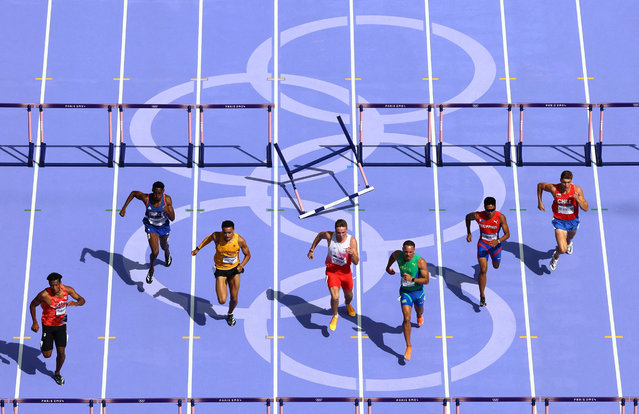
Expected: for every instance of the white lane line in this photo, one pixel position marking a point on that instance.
(613, 330)
(116, 175)
(520, 236)
(34, 191)
(196, 184)
(440, 265)
(358, 268)
(276, 195)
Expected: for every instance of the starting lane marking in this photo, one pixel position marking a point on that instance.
(121, 79)
(428, 79)
(610, 336)
(353, 78)
(35, 209)
(21, 337)
(43, 78)
(201, 79)
(526, 336)
(190, 337)
(272, 79)
(507, 78)
(441, 337)
(104, 337)
(356, 337)
(582, 78)
(273, 337)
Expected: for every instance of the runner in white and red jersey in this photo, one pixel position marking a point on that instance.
(54, 301)
(567, 199)
(342, 251)
(490, 223)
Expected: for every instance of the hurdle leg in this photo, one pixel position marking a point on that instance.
(290, 176)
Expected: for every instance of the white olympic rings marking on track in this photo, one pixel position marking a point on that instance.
(256, 75)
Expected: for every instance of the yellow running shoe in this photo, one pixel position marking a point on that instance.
(333, 324)
(420, 321)
(351, 311)
(408, 353)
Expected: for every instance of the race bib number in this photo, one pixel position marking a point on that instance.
(338, 260)
(61, 310)
(566, 209)
(489, 236)
(229, 259)
(406, 283)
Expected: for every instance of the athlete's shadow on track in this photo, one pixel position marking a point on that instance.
(30, 361)
(123, 267)
(454, 280)
(532, 257)
(302, 310)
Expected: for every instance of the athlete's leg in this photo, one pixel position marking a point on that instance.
(220, 289)
(348, 296)
(234, 287)
(155, 249)
(335, 298)
(570, 235)
(47, 354)
(164, 244)
(481, 279)
(562, 243)
(406, 309)
(59, 359)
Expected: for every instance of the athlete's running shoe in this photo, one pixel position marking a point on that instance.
(553, 262)
(350, 310)
(482, 301)
(149, 276)
(230, 319)
(569, 248)
(59, 379)
(408, 353)
(420, 320)
(168, 260)
(333, 325)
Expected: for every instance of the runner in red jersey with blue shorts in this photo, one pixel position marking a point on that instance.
(54, 301)
(567, 199)
(490, 222)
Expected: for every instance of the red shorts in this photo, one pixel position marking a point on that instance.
(339, 276)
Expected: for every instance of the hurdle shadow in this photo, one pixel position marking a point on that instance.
(30, 361)
(123, 266)
(454, 279)
(532, 257)
(302, 310)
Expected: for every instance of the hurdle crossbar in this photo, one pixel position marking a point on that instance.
(290, 172)
(268, 162)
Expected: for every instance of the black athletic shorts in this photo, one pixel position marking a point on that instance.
(227, 273)
(51, 334)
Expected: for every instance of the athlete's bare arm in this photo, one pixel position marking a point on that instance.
(79, 299)
(581, 200)
(353, 251)
(40, 297)
(469, 218)
(424, 276)
(541, 187)
(504, 226)
(211, 237)
(245, 251)
(168, 208)
(322, 235)
(391, 260)
(134, 194)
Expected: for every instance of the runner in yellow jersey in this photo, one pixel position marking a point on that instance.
(227, 263)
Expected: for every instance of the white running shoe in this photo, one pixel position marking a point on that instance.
(553, 262)
(569, 249)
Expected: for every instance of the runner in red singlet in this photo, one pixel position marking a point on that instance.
(490, 222)
(54, 301)
(567, 199)
(342, 251)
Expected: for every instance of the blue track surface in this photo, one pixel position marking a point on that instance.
(486, 353)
